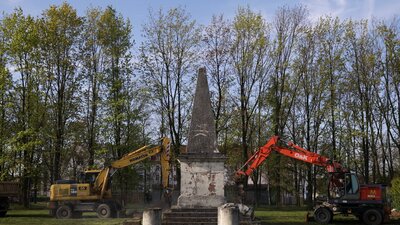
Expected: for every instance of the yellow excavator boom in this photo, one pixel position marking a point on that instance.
(135, 157)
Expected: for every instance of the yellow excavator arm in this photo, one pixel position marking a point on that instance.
(136, 157)
(146, 152)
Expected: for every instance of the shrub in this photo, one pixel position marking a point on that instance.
(395, 193)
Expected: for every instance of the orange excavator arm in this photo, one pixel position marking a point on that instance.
(290, 150)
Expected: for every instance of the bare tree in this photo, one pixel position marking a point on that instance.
(249, 56)
(217, 43)
(283, 84)
(167, 64)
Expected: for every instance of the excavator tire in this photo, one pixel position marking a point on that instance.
(323, 215)
(64, 212)
(104, 211)
(372, 217)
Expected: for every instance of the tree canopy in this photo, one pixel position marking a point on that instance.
(76, 91)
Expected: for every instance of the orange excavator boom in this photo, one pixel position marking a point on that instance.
(289, 149)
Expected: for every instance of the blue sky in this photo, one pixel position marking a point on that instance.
(202, 10)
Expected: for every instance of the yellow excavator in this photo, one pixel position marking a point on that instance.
(92, 193)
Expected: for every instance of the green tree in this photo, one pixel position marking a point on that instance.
(123, 128)
(216, 44)
(332, 66)
(283, 84)
(362, 77)
(167, 62)
(5, 107)
(60, 41)
(115, 40)
(389, 100)
(309, 107)
(248, 53)
(22, 40)
(93, 71)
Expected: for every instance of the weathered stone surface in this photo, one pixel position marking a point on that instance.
(202, 135)
(152, 216)
(202, 182)
(228, 216)
(202, 167)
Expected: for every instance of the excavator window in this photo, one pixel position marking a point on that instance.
(336, 185)
(88, 177)
(351, 184)
(343, 186)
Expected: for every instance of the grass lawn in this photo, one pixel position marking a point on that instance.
(287, 216)
(38, 215)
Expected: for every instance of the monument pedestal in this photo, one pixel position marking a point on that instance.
(202, 180)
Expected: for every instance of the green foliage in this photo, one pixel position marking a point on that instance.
(114, 33)
(68, 90)
(114, 36)
(250, 27)
(5, 121)
(26, 140)
(168, 59)
(248, 52)
(395, 193)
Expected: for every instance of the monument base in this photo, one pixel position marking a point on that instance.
(202, 180)
(200, 201)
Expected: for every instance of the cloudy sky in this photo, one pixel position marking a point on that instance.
(202, 10)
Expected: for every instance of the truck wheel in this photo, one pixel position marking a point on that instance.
(323, 215)
(372, 217)
(103, 211)
(64, 212)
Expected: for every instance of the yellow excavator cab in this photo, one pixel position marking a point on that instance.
(88, 176)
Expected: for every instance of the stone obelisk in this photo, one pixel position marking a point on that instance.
(202, 167)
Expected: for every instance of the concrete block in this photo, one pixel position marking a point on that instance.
(228, 215)
(152, 216)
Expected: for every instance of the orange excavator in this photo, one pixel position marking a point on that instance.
(346, 196)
